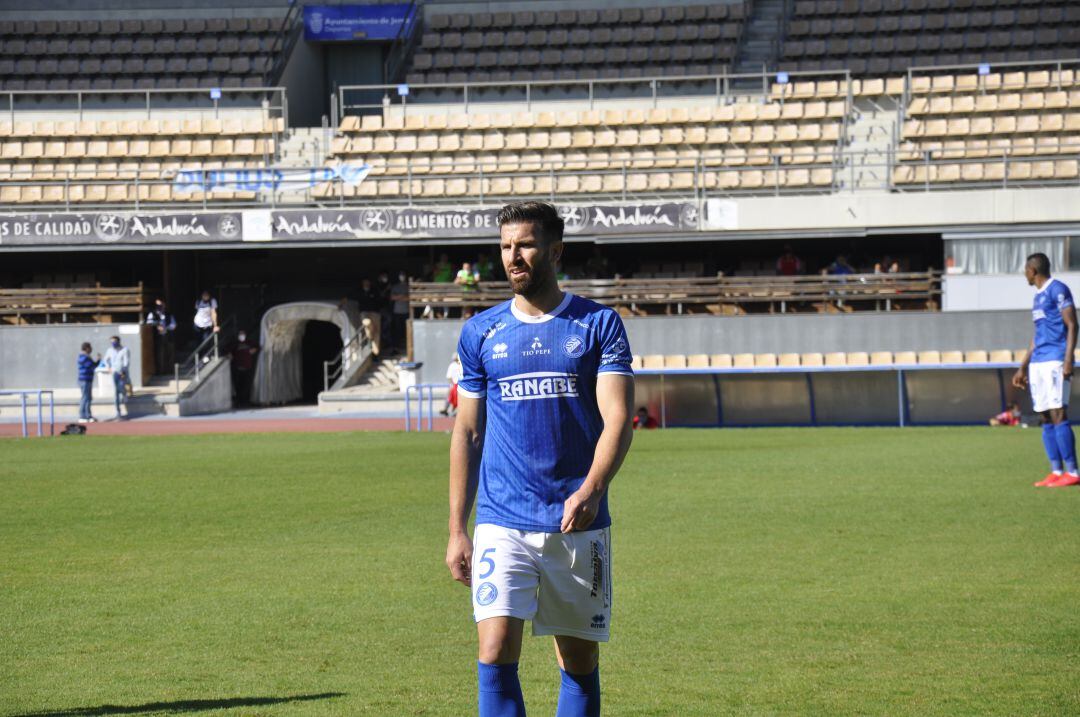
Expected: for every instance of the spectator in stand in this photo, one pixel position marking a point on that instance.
(86, 366)
(485, 269)
(788, 264)
(894, 268)
(453, 375)
(118, 362)
(382, 291)
(399, 295)
(1009, 417)
(840, 266)
(164, 325)
(598, 266)
(206, 317)
(243, 367)
(368, 303)
(466, 277)
(642, 419)
(444, 270)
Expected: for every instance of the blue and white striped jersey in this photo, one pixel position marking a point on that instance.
(539, 378)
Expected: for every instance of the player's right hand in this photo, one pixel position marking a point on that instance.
(459, 558)
(1019, 379)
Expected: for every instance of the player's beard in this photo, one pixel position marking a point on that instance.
(538, 279)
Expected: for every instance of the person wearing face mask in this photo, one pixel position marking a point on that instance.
(243, 367)
(164, 324)
(117, 361)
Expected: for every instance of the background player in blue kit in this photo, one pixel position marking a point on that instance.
(1048, 367)
(544, 422)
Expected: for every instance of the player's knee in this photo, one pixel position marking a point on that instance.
(498, 648)
(578, 657)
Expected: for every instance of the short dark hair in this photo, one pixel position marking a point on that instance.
(1040, 263)
(86, 348)
(548, 223)
(114, 337)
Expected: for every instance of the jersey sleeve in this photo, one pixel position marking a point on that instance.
(473, 383)
(615, 355)
(1063, 296)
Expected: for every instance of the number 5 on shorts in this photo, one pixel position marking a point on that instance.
(490, 564)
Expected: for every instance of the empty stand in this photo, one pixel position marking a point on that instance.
(833, 360)
(138, 54)
(569, 44)
(882, 37)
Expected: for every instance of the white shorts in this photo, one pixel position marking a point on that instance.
(562, 582)
(1049, 387)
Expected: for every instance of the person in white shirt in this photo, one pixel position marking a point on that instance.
(117, 361)
(453, 375)
(206, 316)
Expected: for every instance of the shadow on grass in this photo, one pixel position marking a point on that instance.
(181, 706)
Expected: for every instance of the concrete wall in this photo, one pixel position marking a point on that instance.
(304, 80)
(435, 341)
(45, 356)
(990, 292)
(214, 393)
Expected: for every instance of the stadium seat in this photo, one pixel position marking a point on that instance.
(743, 361)
(929, 357)
(1001, 356)
(720, 361)
(697, 361)
(765, 361)
(789, 360)
(905, 358)
(952, 357)
(975, 357)
(857, 358)
(1019, 354)
(675, 361)
(881, 358)
(812, 360)
(636, 363)
(835, 358)
(652, 361)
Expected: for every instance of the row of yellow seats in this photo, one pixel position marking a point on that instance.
(995, 81)
(814, 360)
(703, 114)
(996, 147)
(59, 149)
(828, 89)
(24, 171)
(107, 193)
(495, 140)
(507, 162)
(147, 127)
(989, 103)
(1003, 125)
(584, 184)
(986, 171)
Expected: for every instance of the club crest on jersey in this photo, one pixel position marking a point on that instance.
(486, 594)
(536, 348)
(541, 384)
(573, 346)
(499, 351)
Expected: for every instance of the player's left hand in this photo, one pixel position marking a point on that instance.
(579, 510)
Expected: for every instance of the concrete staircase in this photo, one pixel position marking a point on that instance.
(760, 43)
(376, 393)
(305, 147)
(870, 136)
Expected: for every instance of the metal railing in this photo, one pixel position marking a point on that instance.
(205, 354)
(652, 89)
(40, 409)
(79, 100)
(356, 350)
(421, 391)
(685, 295)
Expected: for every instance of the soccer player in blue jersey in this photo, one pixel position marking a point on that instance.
(1048, 368)
(543, 424)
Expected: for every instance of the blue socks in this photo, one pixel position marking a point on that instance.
(500, 691)
(1066, 444)
(579, 695)
(1050, 443)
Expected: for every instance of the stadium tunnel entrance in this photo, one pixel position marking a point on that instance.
(296, 338)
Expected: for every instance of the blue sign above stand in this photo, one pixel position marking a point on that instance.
(338, 23)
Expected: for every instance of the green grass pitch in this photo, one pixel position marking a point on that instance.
(790, 571)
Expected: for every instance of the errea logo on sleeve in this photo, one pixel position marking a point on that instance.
(541, 384)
